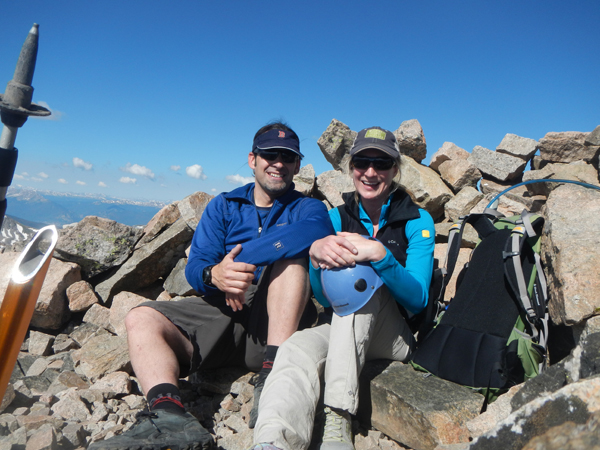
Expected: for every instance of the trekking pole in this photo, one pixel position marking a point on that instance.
(20, 298)
(496, 200)
(15, 108)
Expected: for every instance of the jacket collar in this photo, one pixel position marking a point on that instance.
(401, 207)
(246, 194)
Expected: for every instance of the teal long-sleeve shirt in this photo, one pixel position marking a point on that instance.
(408, 285)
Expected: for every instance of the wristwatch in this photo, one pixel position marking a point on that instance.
(207, 275)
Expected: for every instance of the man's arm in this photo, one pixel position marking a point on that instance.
(208, 246)
(290, 241)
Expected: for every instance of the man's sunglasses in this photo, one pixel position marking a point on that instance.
(363, 162)
(271, 155)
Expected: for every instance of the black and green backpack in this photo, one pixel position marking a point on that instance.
(493, 334)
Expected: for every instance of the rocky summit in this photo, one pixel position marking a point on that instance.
(73, 383)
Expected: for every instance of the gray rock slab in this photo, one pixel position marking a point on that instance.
(40, 343)
(573, 403)
(101, 355)
(150, 262)
(571, 253)
(594, 137)
(97, 244)
(332, 184)
(51, 309)
(499, 166)
(425, 186)
(98, 315)
(162, 220)
(176, 283)
(521, 194)
(566, 147)
(192, 207)
(411, 140)
(576, 171)
(518, 146)
(447, 152)
(335, 144)
(462, 203)
(304, 180)
(459, 173)
(81, 296)
(418, 411)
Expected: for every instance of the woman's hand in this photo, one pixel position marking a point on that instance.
(332, 251)
(368, 249)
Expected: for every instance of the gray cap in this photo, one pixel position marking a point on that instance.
(377, 138)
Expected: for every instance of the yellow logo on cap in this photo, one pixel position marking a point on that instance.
(374, 133)
(425, 233)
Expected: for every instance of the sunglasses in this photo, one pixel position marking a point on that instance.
(363, 162)
(271, 155)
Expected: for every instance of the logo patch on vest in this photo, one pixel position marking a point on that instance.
(278, 245)
(425, 233)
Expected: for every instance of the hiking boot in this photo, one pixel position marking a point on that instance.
(258, 381)
(158, 430)
(337, 434)
(264, 447)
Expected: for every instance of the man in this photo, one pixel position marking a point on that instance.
(248, 260)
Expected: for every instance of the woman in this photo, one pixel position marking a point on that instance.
(401, 254)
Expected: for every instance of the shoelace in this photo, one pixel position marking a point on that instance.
(145, 414)
(333, 427)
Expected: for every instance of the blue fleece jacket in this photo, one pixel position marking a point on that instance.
(231, 218)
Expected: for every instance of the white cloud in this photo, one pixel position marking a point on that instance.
(54, 114)
(102, 184)
(37, 179)
(238, 179)
(43, 175)
(25, 174)
(175, 168)
(63, 181)
(213, 190)
(127, 180)
(16, 176)
(80, 183)
(196, 172)
(136, 169)
(78, 162)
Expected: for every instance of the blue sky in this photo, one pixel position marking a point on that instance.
(139, 88)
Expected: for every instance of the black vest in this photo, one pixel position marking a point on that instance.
(392, 235)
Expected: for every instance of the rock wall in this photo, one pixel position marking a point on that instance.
(73, 382)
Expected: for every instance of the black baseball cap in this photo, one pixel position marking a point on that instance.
(377, 138)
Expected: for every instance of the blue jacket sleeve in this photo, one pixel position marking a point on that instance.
(410, 285)
(292, 240)
(315, 273)
(208, 245)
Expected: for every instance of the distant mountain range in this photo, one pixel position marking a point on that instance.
(39, 208)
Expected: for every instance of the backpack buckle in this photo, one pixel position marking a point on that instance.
(510, 254)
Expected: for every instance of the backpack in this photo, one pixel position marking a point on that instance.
(493, 333)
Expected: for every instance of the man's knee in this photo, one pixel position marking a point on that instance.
(290, 267)
(144, 317)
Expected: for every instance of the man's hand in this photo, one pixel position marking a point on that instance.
(233, 278)
(332, 251)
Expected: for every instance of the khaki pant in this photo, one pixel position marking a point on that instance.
(291, 393)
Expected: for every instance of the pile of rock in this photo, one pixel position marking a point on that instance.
(73, 382)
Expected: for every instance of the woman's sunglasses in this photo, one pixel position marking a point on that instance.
(363, 162)
(271, 155)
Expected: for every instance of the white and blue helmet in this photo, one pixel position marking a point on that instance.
(350, 288)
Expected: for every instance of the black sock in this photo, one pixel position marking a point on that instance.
(270, 354)
(165, 396)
